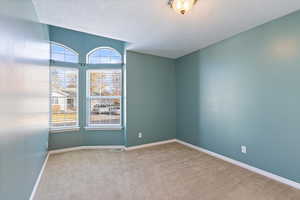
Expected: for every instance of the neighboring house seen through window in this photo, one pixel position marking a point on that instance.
(64, 97)
(104, 97)
(104, 55)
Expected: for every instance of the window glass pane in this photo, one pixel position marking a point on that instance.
(57, 56)
(64, 105)
(114, 60)
(105, 83)
(104, 56)
(61, 53)
(62, 118)
(94, 60)
(104, 97)
(105, 111)
(57, 48)
(104, 60)
(70, 58)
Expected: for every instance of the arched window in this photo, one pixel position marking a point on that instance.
(104, 55)
(63, 53)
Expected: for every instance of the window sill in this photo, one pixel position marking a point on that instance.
(103, 128)
(65, 129)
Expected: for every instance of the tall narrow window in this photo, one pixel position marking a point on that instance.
(62, 53)
(104, 98)
(104, 55)
(64, 98)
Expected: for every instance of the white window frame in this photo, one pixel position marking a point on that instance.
(104, 47)
(65, 128)
(88, 98)
(64, 46)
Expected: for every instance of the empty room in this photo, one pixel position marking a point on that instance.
(150, 100)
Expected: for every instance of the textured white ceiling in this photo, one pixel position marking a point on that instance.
(151, 27)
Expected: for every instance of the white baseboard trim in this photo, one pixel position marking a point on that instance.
(86, 148)
(150, 144)
(227, 159)
(110, 147)
(37, 182)
(243, 165)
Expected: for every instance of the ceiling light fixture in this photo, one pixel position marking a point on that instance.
(182, 6)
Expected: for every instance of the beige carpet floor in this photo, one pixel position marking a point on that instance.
(165, 172)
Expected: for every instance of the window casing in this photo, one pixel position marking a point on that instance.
(104, 55)
(63, 53)
(104, 98)
(64, 98)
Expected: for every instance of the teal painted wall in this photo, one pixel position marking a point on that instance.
(24, 105)
(151, 99)
(83, 43)
(245, 90)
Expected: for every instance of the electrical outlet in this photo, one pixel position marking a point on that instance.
(140, 134)
(244, 149)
